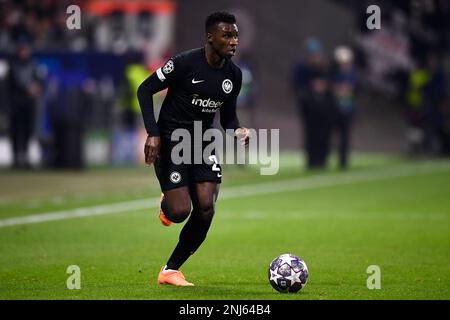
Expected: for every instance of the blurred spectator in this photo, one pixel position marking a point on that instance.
(308, 65)
(317, 114)
(67, 109)
(427, 112)
(436, 139)
(314, 102)
(4, 86)
(415, 134)
(126, 136)
(135, 73)
(24, 90)
(344, 83)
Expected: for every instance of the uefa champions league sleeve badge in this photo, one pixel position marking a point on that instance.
(168, 67)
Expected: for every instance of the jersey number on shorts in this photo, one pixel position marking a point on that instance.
(215, 166)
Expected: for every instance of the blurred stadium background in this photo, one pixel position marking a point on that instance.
(83, 117)
(88, 77)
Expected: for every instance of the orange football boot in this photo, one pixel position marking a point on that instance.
(173, 277)
(162, 216)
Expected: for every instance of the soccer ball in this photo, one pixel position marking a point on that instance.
(288, 273)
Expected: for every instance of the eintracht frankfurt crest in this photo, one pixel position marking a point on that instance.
(175, 177)
(227, 85)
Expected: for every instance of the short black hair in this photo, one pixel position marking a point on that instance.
(218, 17)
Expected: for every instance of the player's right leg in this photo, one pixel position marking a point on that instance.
(176, 204)
(175, 201)
(162, 217)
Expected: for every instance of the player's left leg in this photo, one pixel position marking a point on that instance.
(194, 232)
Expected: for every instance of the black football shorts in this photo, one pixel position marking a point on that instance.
(171, 175)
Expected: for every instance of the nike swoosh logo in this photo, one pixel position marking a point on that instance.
(196, 81)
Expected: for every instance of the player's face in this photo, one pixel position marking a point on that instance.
(224, 39)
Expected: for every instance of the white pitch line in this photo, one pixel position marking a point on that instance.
(240, 191)
(331, 180)
(81, 212)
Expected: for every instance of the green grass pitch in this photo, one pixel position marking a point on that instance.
(385, 211)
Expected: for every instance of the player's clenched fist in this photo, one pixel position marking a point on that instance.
(151, 149)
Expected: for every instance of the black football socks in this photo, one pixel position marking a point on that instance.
(191, 237)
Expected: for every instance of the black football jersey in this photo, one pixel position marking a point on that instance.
(196, 91)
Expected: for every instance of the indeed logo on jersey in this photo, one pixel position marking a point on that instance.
(207, 104)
